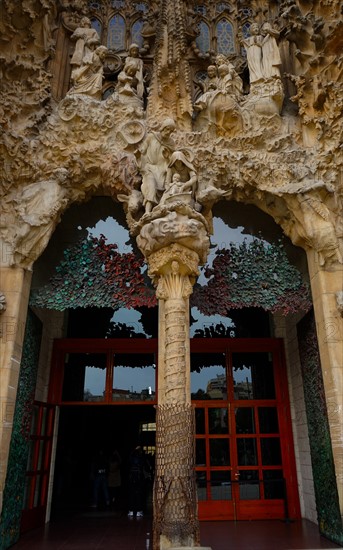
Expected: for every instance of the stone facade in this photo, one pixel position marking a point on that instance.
(154, 128)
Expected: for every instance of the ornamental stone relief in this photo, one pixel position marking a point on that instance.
(263, 127)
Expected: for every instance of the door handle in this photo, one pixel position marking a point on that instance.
(236, 475)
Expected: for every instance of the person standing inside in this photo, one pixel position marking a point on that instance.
(100, 483)
(137, 472)
(114, 476)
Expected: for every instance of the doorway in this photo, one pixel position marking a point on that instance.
(245, 466)
(83, 432)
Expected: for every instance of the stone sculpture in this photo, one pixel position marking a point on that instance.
(87, 79)
(263, 55)
(181, 180)
(136, 68)
(271, 59)
(38, 207)
(87, 39)
(154, 159)
(253, 47)
(218, 105)
(208, 86)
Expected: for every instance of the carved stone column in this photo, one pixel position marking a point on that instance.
(325, 285)
(174, 269)
(15, 286)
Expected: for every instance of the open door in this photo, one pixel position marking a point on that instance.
(38, 466)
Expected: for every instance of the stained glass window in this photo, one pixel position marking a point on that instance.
(246, 34)
(136, 32)
(97, 26)
(225, 39)
(141, 7)
(200, 9)
(201, 76)
(94, 5)
(116, 33)
(246, 30)
(222, 7)
(247, 12)
(203, 40)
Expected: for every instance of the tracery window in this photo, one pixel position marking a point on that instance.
(218, 29)
(225, 37)
(96, 24)
(222, 6)
(119, 23)
(203, 41)
(200, 9)
(116, 33)
(142, 6)
(136, 32)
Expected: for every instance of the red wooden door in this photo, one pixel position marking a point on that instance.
(38, 466)
(245, 466)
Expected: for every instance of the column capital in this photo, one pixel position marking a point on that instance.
(174, 259)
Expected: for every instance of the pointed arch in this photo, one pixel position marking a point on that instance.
(136, 32)
(116, 33)
(225, 36)
(203, 40)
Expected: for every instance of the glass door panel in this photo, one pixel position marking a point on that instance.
(253, 376)
(221, 485)
(84, 377)
(208, 376)
(134, 377)
(241, 461)
(249, 485)
(219, 452)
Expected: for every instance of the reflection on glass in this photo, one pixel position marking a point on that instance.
(253, 376)
(271, 451)
(218, 420)
(268, 420)
(246, 451)
(245, 420)
(201, 485)
(134, 377)
(199, 421)
(208, 376)
(219, 452)
(249, 488)
(221, 486)
(274, 486)
(200, 452)
(84, 377)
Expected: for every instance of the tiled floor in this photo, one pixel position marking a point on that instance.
(112, 531)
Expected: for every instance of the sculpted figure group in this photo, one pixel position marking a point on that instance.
(263, 54)
(167, 174)
(219, 103)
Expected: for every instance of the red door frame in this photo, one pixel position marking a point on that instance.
(257, 509)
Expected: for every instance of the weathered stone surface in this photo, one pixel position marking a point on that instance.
(146, 129)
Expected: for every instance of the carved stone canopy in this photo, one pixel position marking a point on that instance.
(267, 131)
